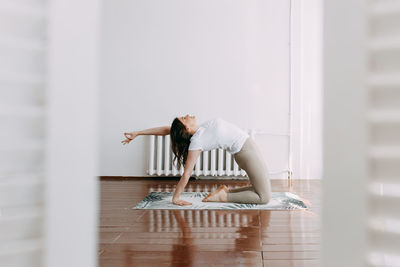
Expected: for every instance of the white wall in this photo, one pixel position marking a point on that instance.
(162, 59)
(306, 82)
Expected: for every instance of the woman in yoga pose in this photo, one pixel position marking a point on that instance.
(188, 140)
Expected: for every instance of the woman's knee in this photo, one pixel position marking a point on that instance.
(265, 198)
(264, 194)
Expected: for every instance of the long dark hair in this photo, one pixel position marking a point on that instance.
(180, 141)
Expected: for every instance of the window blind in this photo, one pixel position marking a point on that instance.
(22, 135)
(383, 116)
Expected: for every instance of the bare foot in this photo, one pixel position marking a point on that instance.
(221, 187)
(219, 195)
(209, 195)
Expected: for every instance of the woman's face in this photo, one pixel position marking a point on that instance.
(188, 121)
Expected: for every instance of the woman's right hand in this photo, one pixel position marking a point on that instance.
(181, 202)
(129, 137)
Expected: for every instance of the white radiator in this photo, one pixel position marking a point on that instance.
(216, 162)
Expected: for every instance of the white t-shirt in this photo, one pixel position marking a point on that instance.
(218, 133)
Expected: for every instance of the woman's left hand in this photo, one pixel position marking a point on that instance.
(129, 137)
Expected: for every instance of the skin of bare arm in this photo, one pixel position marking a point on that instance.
(190, 162)
(163, 130)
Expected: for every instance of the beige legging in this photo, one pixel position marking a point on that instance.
(250, 159)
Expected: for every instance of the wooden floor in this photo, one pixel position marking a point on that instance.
(204, 237)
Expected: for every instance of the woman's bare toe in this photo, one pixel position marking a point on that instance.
(218, 196)
(223, 187)
(206, 198)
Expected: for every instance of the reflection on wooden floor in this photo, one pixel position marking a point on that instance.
(164, 220)
(204, 237)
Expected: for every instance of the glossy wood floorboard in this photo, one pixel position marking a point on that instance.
(205, 237)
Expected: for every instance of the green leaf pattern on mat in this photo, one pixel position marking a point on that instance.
(163, 200)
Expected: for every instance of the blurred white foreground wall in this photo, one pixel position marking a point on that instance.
(48, 138)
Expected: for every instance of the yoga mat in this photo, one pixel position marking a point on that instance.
(163, 201)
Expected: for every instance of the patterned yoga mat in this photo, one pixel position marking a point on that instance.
(163, 200)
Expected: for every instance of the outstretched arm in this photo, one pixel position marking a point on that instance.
(163, 130)
(190, 162)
